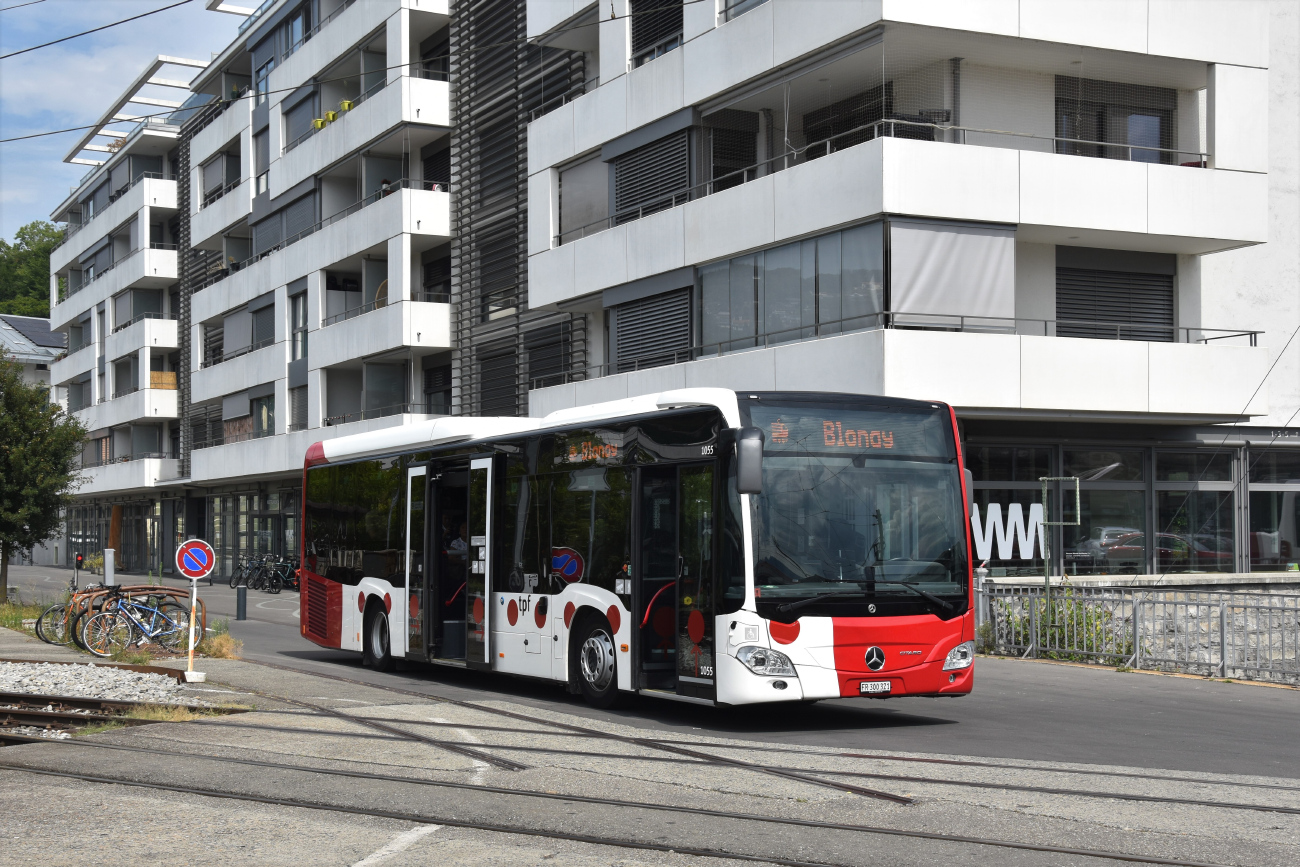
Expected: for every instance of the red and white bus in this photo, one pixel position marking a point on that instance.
(702, 545)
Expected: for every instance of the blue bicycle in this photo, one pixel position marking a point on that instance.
(126, 621)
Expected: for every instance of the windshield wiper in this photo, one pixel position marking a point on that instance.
(947, 606)
(791, 606)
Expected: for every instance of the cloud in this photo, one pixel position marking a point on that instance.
(73, 83)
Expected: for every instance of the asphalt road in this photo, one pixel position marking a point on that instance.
(1019, 709)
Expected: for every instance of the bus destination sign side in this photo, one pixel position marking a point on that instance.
(195, 559)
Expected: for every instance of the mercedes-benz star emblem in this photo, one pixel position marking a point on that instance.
(875, 658)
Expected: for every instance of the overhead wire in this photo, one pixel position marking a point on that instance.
(92, 30)
(21, 5)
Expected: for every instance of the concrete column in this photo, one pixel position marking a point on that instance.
(400, 268)
(399, 44)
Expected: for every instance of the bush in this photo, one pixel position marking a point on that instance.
(1072, 628)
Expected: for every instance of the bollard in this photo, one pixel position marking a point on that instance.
(241, 602)
(110, 571)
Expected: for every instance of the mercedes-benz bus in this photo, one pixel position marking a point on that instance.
(702, 545)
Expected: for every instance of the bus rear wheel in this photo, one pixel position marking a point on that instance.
(376, 649)
(597, 663)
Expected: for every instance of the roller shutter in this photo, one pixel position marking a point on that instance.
(497, 384)
(644, 177)
(1110, 304)
(653, 22)
(266, 234)
(300, 216)
(297, 123)
(651, 332)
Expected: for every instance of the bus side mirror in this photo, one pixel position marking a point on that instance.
(749, 461)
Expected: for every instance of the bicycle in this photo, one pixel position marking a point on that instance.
(242, 572)
(126, 621)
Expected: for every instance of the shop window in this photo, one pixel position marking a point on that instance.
(1008, 463)
(1275, 466)
(1194, 466)
(1111, 535)
(1274, 531)
(1007, 531)
(1196, 531)
(1099, 465)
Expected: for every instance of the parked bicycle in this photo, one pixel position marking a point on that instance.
(126, 621)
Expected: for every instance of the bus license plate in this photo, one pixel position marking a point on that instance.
(873, 686)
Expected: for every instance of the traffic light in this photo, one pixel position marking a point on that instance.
(78, 561)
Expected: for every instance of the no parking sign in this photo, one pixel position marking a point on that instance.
(195, 559)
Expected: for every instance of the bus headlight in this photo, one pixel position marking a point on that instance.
(960, 656)
(760, 660)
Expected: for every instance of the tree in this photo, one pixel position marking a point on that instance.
(25, 269)
(39, 447)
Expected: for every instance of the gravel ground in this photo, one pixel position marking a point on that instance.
(97, 681)
(36, 732)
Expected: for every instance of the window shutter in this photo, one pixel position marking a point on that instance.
(266, 235)
(300, 216)
(213, 175)
(645, 176)
(653, 22)
(297, 123)
(264, 326)
(264, 52)
(498, 392)
(262, 152)
(298, 408)
(548, 355)
(1114, 303)
(651, 332)
(437, 167)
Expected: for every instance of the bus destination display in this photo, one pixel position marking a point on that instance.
(788, 429)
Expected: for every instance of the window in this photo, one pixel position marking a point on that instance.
(1114, 305)
(298, 324)
(213, 344)
(436, 284)
(437, 390)
(1005, 526)
(656, 29)
(298, 408)
(262, 80)
(735, 8)
(263, 412)
(1274, 509)
(733, 148)
(548, 355)
(298, 122)
(497, 384)
(263, 327)
(650, 332)
(385, 388)
(823, 285)
(1127, 121)
(261, 160)
(652, 178)
(356, 521)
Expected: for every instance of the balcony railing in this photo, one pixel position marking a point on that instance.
(209, 198)
(213, 359)
(888, 128)
(113, 197)
(231, 439)
(392, 187)
(377, 412)
(312, 130)
(565, 98)
(123, 392)
(910, 322)
(139, 317)
(124, 459)
(306, 37)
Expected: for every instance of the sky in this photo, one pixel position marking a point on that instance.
(74, 82)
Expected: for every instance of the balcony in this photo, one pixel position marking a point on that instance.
(283, 453)
(73, 365)
(406, 100)
(129, 473)
(220, 212)
(214, 380)
(148, 189)
(236, 117)
(142, 404)
(153, 330)
(408, 208)
(1052, 198)
(414, 324)
(147, 268)
(994, 366)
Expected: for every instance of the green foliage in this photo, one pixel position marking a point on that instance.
(1069, 629)
(12, 614)
(25, 269)
(39, 446)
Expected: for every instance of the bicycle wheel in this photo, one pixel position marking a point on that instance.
(258, 579)
(52, 625)
(275, 583)
(107, 633)
(174, 628)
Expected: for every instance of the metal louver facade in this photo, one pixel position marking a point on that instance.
(1140, 306)
(651, 332)
(646, 179)
(498, 79)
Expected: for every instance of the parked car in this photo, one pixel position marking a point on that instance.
(1173, 553)
(1092, 550)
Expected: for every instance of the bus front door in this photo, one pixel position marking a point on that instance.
(448, 561)
(416, 480)
(675, 577)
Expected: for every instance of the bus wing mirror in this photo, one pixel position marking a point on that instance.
(970, 490)
(749, 461)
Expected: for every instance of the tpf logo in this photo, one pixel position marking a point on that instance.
(1012, 532)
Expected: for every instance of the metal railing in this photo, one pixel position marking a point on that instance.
(901, 321)
(124, 459)
(392, 187)
(139, 317)
(123, 392)
(376, 412)
(306, 37)
(257, 13)
(418, 70)
(209, 198)
(220, 357)
(436, 297)
(888, 128)
(231, 439)
(1247, 635)
(565, 98)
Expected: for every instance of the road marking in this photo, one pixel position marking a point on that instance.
(400, 843)
(480, 767)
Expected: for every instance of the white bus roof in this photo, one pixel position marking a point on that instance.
(443, 431)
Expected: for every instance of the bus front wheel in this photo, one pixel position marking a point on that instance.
(597, 663)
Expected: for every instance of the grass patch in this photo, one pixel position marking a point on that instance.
(96, 728)
(12, 614)
(167, 713)
(220, 626)
(220, 645)
(133, 656)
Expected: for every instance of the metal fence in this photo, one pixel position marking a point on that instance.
(1248, 636)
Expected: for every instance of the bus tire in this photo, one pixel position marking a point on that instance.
(596, 665)
(376, 648)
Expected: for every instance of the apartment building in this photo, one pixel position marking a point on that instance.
(1075, 222)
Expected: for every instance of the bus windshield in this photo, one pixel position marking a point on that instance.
(860, 514)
